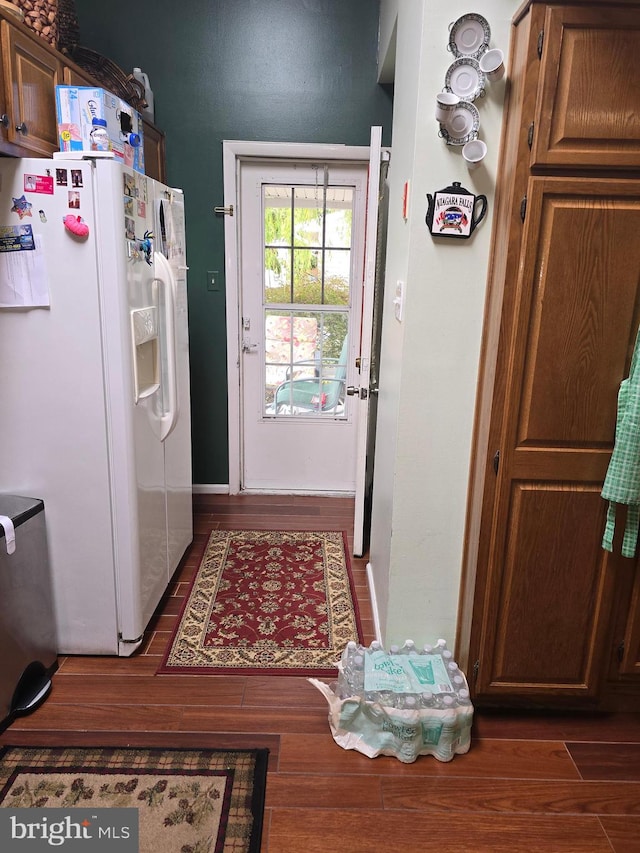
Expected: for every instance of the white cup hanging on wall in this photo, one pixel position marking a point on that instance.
(492, 64)
(446, 102)
(474, 152)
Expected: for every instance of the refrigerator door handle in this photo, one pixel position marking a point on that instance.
(164, 276)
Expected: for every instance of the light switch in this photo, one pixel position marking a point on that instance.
(398, 300)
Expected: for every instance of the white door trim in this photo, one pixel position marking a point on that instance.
(233, 151)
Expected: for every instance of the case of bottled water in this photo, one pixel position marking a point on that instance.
(405, 702)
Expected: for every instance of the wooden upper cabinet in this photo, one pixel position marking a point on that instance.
(154, 152)
(588, 105)
(72, 76)
(31, 75)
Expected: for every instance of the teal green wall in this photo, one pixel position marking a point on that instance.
(273, 70)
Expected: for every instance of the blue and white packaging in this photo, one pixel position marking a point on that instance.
(404, 705)
(77, 106)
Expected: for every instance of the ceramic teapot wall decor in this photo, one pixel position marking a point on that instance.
(455, 212)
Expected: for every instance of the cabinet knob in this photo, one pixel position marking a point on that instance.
(4, 120)
(21, 128)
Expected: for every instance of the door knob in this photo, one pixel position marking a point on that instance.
(4, 120)
(21, 128)
(353, 391)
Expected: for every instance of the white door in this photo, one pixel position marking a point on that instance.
(367, 389)
(301, 273)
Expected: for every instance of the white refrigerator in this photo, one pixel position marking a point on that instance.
(94, 364)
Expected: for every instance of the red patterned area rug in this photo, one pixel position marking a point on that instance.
(189, 800)
(265, 602)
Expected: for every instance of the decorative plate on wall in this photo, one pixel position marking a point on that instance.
(463, 124)
(465, 79)
(469, 36)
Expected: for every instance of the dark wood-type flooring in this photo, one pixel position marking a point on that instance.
(531, 782)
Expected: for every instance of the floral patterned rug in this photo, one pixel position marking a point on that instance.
(189, 800)
(266, 602)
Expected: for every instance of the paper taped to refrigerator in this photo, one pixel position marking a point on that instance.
(23, 274)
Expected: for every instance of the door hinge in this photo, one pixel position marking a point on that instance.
(496, 461)
(540, 43)
(620, 652)
(523, 208)
(476, 670)
(530, 136)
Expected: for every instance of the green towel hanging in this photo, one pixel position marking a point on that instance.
(622, 483)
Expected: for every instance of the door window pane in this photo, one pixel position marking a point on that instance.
(337, 266)
(307, 277)
(277, 275)
(277, 215)
(307, 240)
(305, 363)
(339, 217)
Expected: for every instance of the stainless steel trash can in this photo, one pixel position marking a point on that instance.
(28, 646)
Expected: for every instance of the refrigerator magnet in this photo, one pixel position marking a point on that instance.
(146, 246)
(38, 184)
(76, 225)
(21, 206)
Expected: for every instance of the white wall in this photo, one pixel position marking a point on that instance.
(429, 362)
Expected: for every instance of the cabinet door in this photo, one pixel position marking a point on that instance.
(34, 74)
(630, 656)
(588, 107)
(154, 152)
(550, 586)
(74, 77)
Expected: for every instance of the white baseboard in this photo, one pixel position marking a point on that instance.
(374, 603)
(210, 488)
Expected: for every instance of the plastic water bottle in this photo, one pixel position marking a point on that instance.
(344, 677)
(357, 673)
(448, 700)
(408, 648)
(454, 673)
(428, 700)
(353, 669)
(406, 702)
(98, 135)
(464, 697)
(141, 77)
(449, 737)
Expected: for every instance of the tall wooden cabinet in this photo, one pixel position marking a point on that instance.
(547, 617)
